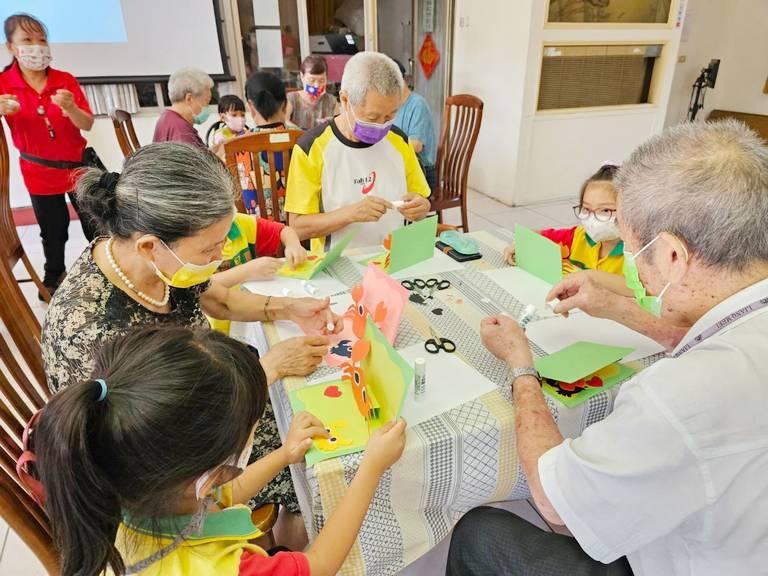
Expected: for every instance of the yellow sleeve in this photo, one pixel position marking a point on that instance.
(247, 224)
(415, 180)
(302, 194)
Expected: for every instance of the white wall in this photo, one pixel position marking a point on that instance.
(102, 138)
(733, 31)
(524, 156)
(490, 50)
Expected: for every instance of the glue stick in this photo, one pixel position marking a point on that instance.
(420, 377)
(528, 314)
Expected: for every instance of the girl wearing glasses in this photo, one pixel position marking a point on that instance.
(45, 110)
(595, 243)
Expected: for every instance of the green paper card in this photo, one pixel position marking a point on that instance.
(388, 378)
(579, 360)
(538, 255)
(412, 244)
(316, 263)
(581, 391)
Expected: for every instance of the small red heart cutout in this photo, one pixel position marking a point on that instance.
(311, 257)
(332, 392)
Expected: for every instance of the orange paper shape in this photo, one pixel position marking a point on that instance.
(428, 55)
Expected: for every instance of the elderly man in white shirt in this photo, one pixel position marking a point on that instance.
(675, 480)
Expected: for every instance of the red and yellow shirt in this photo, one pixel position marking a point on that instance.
(30, 132)
(580, 252)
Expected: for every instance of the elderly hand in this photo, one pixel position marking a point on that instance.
(369, 209)
(294, 357)
(295, 254)
(304, 427)
(64, 99)
(584, 291)
(9, 105)
(506, 340)
(509, 255)
(415, 207)
(314, 315)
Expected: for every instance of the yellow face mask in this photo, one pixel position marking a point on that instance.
(189, 274)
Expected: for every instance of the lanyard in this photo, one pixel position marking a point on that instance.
(722, 324)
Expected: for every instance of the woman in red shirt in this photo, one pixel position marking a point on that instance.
(45, 110)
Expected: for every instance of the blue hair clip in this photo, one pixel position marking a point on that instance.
(103, 393)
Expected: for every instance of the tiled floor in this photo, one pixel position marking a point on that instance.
(485, 214)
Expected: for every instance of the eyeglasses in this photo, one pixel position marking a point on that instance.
(602, 215)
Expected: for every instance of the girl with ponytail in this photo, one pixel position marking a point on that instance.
(133, 484)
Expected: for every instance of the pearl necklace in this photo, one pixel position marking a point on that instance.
(131, 285)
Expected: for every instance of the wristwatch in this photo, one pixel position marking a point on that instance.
(527, 371)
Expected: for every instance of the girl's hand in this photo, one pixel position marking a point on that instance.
(9, 105)
(509, 255)
(304, 427)
(314, 315)
(295, 254)
(263, 268)
(385, 446)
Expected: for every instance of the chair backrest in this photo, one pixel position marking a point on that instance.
(126, 135)
(22, 392)
(11, 249)
(259, 163)
(462, 116)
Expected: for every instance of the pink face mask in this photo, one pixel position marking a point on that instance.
(235, 123)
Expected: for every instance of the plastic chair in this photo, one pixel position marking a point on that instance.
(126, 135)
(462, 116)
(11, 249)
(259, 162)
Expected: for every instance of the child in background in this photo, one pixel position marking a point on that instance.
(133, 483)
(595, 243)
(250, 251)
(232, 119)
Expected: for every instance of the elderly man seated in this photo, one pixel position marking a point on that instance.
(675, 480)
(189, 90)
(352, 168)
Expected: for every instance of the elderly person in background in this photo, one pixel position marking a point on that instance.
(168, 215)
(675, 480)
(351, 169)
(189, 90)
(312, 105)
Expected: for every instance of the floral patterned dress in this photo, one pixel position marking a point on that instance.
(89, 310)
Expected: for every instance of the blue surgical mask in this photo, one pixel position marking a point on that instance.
(203, 116)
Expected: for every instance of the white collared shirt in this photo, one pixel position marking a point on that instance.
(676, 478)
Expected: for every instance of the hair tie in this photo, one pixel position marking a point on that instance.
(109, 180)
(103, 391)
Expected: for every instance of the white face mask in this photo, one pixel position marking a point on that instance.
(34, 56)
(241, 463)
(601, 231)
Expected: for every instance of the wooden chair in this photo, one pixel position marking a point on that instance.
(462, 116)
(11, 249)
(22, 392)
(256, 157)
(126, 135)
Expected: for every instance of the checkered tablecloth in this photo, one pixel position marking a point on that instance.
(454, 462)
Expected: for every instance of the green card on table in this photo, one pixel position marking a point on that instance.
(410, 245)
(538, 255)
(387, 378)
(316, 263)
(582, 370)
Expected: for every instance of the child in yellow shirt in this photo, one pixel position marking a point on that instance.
(595, 244)
(143, 468)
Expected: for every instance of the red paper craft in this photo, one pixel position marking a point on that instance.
(428, 55)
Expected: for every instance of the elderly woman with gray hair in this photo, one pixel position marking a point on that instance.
(167, 216)
(189, 90)
(675, 480)
(358, 167)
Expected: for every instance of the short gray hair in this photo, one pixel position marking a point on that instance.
(170, 190)
(370, 71)
(707, 183)
(188, 81)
